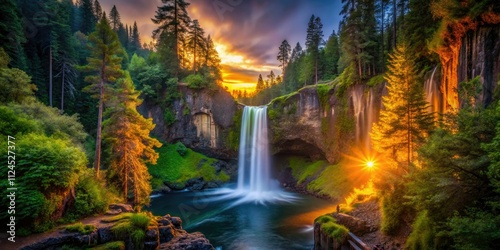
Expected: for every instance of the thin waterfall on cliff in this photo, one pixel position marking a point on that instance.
(254, 163)
(365, 112)
(433, 95)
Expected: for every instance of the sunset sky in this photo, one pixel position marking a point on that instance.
(247, 33)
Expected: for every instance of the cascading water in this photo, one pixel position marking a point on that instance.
(433, 94)
(254, 163)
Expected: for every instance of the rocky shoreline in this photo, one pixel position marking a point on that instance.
(164, 233)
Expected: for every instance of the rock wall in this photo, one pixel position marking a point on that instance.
(203, 121)
(322, 121)
(471, 48)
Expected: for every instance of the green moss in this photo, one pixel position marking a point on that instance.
(174, 168)
(329, 226)
(114, 245)
(133, 226)
(332, 182)
(116, 218)
(233, 139)
(323, 91)
(169, 117)
(376, 80)
(80, 228)
(303, 169)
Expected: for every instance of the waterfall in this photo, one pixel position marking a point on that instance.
(433, 95)
(366, 111)
(254, 163)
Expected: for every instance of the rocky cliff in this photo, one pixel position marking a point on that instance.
(470, 48)
(203, 121)
(323, 121)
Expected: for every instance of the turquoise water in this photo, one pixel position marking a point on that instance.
(230, 221)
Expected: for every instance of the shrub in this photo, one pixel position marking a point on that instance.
(196, 81)
(133, 226)
(80, 228)
(91, 196)
(392, 209)
(423, 233)
(181, 149)
(329, 226)
(169, 117)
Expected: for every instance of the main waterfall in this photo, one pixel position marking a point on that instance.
(254, 162)
(254, 165)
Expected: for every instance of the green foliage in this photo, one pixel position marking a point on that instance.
(15, 84)
(12, 123)
(49, 168)
(114, 245)
(323, 94)
(169, 117)
(133, 226)
(423, 233)
(329, 226)
(80, 228)
(196, 81)
(376, 80)
(475, 230)
(392, 210)
(176, 169)
(233, 139)
(181, 149)
(91, 196)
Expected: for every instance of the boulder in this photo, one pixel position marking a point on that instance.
(104, 235)
(192, 241)
(124, 208)
(177, 222)
(355, 225)
(167, 233)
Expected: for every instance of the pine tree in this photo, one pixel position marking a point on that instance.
(284, 55)
(115, 19)
(313, 41)
(212, 60)
(105, 63)
(87, 16)
(172, 18)
(260, 84)
(135, 39)
(332, 55)
(271, 78)
(404, 122)
(131, 147)
(11, 34)
(97, 10)
(196, 42)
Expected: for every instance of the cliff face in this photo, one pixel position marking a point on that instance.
(473, 50)
(203, 121)
(322, 122)
(479, 55)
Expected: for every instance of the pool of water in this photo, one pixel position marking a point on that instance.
(232, 222)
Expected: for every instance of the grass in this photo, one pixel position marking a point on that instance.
(133, 226)
(330, 226)
(119, 217)
(80, 228)
(333, 182)
(303, 168)
(174, 168)
(114, 245)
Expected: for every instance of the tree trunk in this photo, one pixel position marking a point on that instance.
(176, 34)
(394, 28)
(97, 162)
(62, 88)
(50, 76)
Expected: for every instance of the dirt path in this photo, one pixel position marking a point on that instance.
(34, 238)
